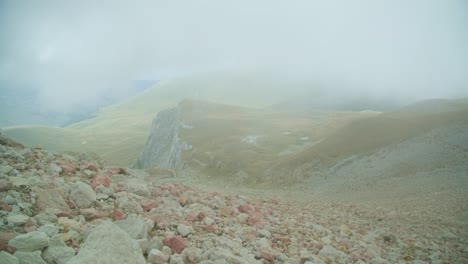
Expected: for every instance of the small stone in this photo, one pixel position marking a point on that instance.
(183, 201)
(67, 169)
(175, 243)
(389, 238)
(264, 233)
(193, 255)
(184, 230)
(328, 250)
(167, 250)
(5, 186)
(83, 195)
(100, 179)
(155, 243)
(345, 230)
(9, 200)
(157, 257)
(30, 242)
(143, 243)
(46, 217)
(148, 204)
(58, 252)
(176, 259)
(209, 221)
(129, 206)
(18, 220)
(69, 224)
(5, 207)
(91, 214)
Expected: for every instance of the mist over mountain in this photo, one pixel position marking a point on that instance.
(21, 104)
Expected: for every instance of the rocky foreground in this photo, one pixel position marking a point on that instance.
(64, 208)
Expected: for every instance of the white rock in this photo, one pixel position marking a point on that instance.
(157, 257)
(135, 226)
(184, 230)
(155, 243)
(108, 243)
(83, 195)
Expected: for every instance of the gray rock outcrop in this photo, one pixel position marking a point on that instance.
(164, 148)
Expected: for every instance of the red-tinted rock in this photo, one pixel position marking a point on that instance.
(100, 179)
(210, 228)
(256, 221)
(191, 217)
(201, 216)
(67, 169)
(245, 208)
(118, 215)
(149, 204)
(64, 214)
(161, 225)
(176, 243)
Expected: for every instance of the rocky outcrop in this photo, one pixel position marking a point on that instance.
(164, 147)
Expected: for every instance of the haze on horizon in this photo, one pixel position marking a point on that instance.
(71, 53)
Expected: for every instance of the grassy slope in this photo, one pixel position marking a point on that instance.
(218, 132)
(118, 132)
(370, 134)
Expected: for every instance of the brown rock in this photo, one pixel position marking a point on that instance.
(148, 204)
(67, 169)
(50, 198)
(4, 238)
(5, 207)
(176, 243)
(118, 215)
(5, 186)
(183, 201)
(91, 214)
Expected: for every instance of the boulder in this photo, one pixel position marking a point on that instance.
(30, 242)
(83, 195)
(135, 226)
(57, 252)
(108, 244)
(7, 258)
(30, 257)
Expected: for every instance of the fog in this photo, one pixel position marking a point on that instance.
(73, 53)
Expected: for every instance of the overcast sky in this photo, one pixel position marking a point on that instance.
(73, 51)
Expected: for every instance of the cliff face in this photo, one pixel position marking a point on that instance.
(164, 148)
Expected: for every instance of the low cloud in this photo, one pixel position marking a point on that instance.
(74, 53)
